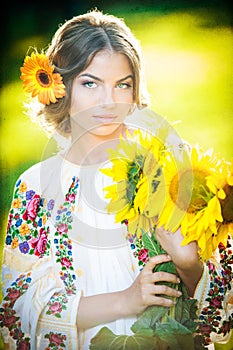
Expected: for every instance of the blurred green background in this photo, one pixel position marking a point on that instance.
(188, 51)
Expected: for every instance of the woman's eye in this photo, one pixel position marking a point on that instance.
(123, 85)
(89, 84)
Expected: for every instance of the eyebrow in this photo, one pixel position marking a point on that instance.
(98, 79)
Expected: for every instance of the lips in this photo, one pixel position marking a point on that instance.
(105, 119)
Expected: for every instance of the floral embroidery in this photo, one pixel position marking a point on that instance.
(8, 316)
(143, 255)
(57, 304)
(210, 319)
(26, 231)
(139, 251)
(56, 341)
(62, 241)
(27, 217)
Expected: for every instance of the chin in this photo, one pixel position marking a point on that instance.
(105, 129)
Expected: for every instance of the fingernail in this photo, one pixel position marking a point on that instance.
(168, 256)
(179, 293)
(178, 280)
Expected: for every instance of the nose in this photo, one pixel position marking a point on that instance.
(107, 98)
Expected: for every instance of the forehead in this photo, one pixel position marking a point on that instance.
(109, 63)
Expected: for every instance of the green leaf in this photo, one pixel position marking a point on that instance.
(107, 340)
(149, 318)
(185, 311)
(167, 267)
(150, 244)
(155, 248)
(175, 334)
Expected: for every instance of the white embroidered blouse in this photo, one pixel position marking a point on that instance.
(61, 243)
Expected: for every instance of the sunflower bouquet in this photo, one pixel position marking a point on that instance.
(153, 187)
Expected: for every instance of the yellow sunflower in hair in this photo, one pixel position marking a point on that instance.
(136, 195)
(40, 80)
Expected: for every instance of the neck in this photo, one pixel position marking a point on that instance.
(88, 148)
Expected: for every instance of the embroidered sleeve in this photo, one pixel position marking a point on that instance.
(35, 301)
(215, 297)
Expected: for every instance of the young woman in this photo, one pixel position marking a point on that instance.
(67, 268)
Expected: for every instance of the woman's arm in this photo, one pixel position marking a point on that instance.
(103, 308)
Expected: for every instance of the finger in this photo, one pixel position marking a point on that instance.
(157, 289)
(161, 231)
(155, 260)
(160, 301)
(160, 295)
(165, 290)
(161, 276)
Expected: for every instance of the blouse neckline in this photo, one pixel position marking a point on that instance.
(81, 166)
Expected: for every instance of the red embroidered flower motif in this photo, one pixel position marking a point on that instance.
(216, 302)
(13, 295)
(226, 327)
(9, 319)
(205, 329)
(55, 308)
(40, 243)
(55, 340)
(32, 208)
(23, 345)
(62, 228)
(9, 221)
(70, 197)
(221, 246)
(143, 255)
(65, 262)
(57, 304)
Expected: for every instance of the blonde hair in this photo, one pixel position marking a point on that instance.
(72, 49)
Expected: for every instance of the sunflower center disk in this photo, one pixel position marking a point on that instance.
(188, 190)
(43, 78)
(227, 204)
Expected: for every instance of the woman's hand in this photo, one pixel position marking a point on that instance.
(103, 308)
(144, 292)
(181, 255)
(185, 258)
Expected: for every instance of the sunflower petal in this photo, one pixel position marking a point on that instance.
(40, 80)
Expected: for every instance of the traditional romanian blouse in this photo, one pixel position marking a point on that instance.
(61, 244)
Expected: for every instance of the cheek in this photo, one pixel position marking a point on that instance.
(74, 105)
(81, 101)
(123, 95)
(78, 103)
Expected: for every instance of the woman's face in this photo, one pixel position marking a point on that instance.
(102, 94)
